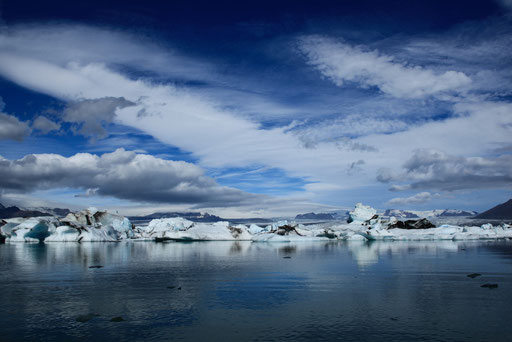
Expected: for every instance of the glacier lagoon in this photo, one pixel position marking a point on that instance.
(242, 290)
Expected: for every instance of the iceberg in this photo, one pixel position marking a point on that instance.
(34, 229)
(180, 229)
(361, 213)
(365, 225)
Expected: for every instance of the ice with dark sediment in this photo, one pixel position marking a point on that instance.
(365, 225)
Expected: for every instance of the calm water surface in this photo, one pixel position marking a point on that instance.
(395, 291)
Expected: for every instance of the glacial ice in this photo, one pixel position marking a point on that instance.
(361, 213)
(97, 225)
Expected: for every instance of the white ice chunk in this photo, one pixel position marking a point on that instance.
(361, 213)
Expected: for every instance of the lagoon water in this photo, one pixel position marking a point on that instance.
(394, 291)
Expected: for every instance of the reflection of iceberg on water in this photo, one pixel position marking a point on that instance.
(368, 253)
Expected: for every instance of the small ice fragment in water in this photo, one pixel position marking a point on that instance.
(474, 275)
(117, 319)
(96, 266)
(490, 286)
(86, 318)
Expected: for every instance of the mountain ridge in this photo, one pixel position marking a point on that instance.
(502, 211)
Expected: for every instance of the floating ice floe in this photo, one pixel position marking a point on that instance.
(361, 213)
(87, 225)
(184, 230)
(95, 225)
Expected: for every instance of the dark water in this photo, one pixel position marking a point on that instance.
(228, 291)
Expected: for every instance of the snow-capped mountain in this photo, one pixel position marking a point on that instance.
(413, 214)
(314, 216)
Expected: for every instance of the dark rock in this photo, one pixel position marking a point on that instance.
(287, 257)
(86, 318)
(235, 232)
(474, 275)
(286, 229)
(2, 237)
(117, 319)
(368, 222)
(171, 287)
(96, 266)
(490, 286)
(413, 224)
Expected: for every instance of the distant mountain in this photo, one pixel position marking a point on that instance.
(313, 216)
(52, 211)
(400, 213)
(500, 212)
(415, 214)
(191, 216)
(11, 212)
(454, 212)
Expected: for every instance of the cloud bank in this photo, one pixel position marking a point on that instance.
(121, 174)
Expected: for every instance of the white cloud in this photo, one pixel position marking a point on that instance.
(180, 117)
(421, 197)
(220, 136)
(341, 62)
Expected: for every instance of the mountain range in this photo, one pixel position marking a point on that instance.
(502, 211)
(313, 216)
(191, 216)
(414, 214)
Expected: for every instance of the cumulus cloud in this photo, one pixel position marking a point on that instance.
(45, 125)
(434, 169)
(421, 197)
(11, 128)
(121, 174)
(90, 115)
(341, 63)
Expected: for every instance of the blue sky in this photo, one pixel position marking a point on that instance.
(256, 109)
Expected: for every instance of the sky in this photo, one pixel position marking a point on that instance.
(257, 108)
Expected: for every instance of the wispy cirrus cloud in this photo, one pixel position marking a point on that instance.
(409, 107)
(341, 62)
